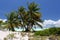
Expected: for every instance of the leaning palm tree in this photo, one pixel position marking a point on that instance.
(25, 19)
(34, 15)
(22, 16)
(30, 17)
(12, 21)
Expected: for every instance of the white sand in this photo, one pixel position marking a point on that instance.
(3, 34)
(18, 35)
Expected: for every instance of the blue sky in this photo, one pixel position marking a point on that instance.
(50, 9)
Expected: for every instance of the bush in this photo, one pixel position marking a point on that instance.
(47, 32)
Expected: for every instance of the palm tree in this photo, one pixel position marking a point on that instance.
(22, 16)
(25, 18)
(34, 15)
(30, 17)
(12, 20)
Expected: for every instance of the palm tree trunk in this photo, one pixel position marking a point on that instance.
(28, 29)
(12, 28)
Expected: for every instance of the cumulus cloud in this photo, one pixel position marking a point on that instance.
(57, 23)
(51, 23)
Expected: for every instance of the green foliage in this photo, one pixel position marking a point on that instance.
(1, 22)
(37, 33)
(47, 32)
(43, 32)
(12, 20)
(33, 7)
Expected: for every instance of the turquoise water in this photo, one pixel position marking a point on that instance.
(36, 29)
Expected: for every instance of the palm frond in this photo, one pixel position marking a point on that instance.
(39, 25)
(33, 7)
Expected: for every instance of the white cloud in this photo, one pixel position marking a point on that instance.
(57, 23)
(51, 23)
(3, 20)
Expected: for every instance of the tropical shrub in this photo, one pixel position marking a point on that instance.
(47, 32)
